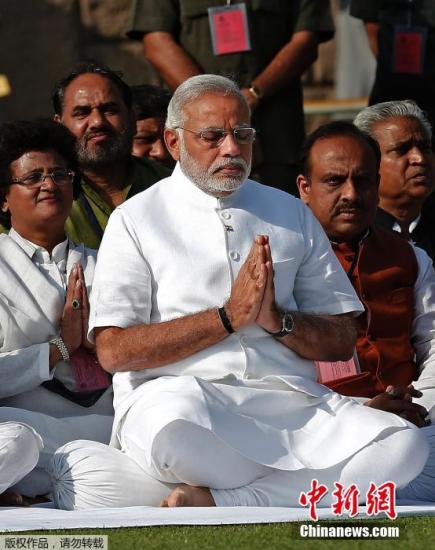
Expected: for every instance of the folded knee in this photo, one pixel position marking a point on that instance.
(25, 446)
(411, 455)
(173, 444)
(88, 475)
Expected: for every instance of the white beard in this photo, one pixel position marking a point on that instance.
(208, 181)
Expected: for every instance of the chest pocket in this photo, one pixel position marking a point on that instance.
(196, 8)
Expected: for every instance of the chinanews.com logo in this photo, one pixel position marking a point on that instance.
(379, 500)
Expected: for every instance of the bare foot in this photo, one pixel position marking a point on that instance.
(11, 498)
(186, 495)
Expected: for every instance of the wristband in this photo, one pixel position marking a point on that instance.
(60, 344)
(224, 320)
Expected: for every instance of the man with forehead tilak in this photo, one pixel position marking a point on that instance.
(214, 295)
(394, 280)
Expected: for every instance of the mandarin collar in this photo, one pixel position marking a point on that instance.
(193, 193)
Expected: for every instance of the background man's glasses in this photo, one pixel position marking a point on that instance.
(216, 136)
(36, 179)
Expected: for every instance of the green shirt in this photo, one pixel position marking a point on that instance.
(90, 212)
(279, 119)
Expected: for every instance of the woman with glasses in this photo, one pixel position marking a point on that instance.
(47, 365)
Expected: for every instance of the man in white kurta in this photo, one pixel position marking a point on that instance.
(239, 412)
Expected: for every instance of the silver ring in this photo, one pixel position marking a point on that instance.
(75, 304)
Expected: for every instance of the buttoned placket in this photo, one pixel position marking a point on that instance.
(234, 257)
(54, 265)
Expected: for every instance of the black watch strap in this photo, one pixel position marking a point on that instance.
(287, 325)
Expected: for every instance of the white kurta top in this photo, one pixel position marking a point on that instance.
(172, 251)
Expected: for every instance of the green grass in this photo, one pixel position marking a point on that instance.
(415, 533)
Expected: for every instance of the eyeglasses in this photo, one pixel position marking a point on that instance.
(215, 136)
(36, 179)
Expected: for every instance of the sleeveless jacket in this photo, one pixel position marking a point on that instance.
(383, 272)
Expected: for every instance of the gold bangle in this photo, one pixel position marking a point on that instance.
(253, 90)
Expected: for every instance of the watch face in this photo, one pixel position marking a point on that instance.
(287, 322)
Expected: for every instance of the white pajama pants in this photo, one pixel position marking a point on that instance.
(54, 433)
(19, 452)
(87, 475)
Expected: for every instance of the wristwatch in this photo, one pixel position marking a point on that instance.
(287, 325)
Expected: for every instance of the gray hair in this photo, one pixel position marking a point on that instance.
(195, 87)
(369, 116)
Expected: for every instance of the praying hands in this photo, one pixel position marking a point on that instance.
(252, 300)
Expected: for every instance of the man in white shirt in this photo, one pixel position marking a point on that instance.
(212, 341)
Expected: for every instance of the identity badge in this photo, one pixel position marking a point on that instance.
(409, 49)
(330, 371)
(229, 29)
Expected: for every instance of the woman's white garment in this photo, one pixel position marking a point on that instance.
(253, 393)
(19, 452)
(32, 298)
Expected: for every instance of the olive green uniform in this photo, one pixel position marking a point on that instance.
(278, 119)
(390, 85)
